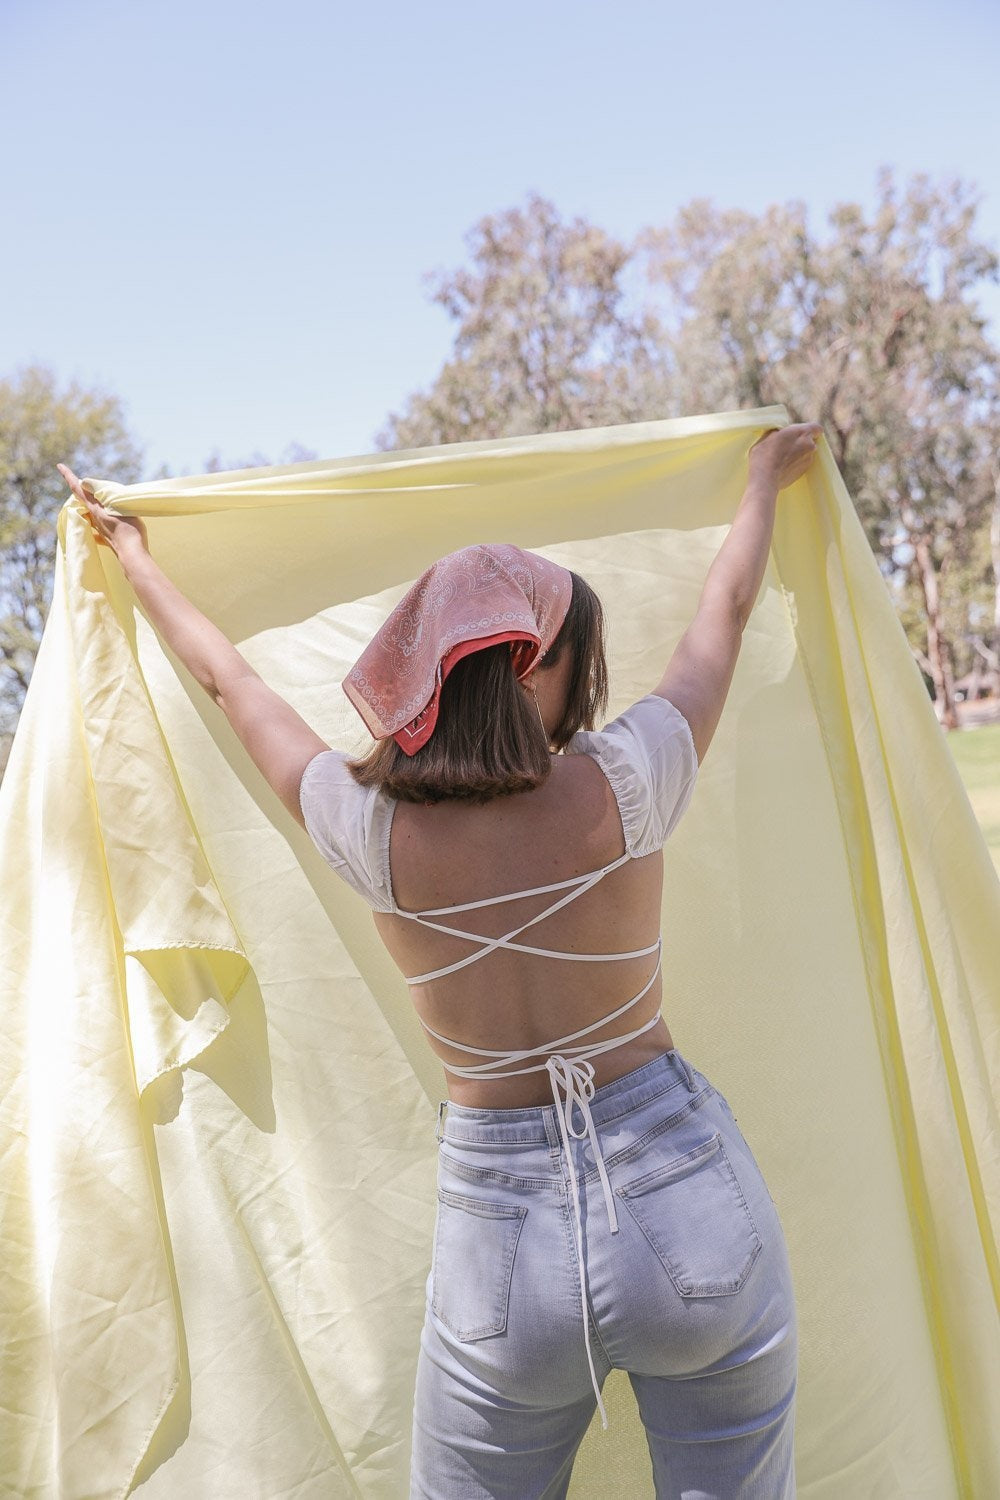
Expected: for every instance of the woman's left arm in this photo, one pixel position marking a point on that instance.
(278, 740)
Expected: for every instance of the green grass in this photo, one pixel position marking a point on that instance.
(977, 755)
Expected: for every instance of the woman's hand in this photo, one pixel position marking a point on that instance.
(784, 454)
(120, 533)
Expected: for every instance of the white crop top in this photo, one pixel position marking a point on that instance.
(649, 759)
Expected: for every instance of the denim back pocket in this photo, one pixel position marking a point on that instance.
(693, 1213)
(474, 1245)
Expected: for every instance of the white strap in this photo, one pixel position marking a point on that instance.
(478, 1070)
(505, 942)
(538, 890)
(489, 944)
(577, 1079)
(591, 1049)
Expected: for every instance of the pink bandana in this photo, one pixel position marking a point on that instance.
(469, 600)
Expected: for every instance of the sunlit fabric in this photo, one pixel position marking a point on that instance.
(219, 1109)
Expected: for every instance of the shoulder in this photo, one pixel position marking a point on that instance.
(648, 755)
(349, 824)
(649, 721)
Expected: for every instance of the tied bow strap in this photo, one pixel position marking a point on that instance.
(577, 1079)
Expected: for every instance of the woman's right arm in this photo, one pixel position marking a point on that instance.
(700, 671)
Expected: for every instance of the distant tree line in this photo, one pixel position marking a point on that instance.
(871, 329)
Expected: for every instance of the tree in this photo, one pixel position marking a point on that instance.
(40, 426)
(870, 329)
(543, 343)
(873, 333)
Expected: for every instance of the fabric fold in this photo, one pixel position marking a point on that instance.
(183, 958)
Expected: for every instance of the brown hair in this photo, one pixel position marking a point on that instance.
(489, 740)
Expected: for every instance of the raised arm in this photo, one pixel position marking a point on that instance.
(701, 668)
(278, 740)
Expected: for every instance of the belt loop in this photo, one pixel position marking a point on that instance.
(441, 1108)
(692, 1086)
(551, 1130)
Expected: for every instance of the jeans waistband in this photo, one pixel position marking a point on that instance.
(538, 1123)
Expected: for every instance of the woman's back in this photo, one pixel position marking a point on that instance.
(453, 853)
(611, 799)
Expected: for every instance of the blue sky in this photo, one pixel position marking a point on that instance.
(223, 211)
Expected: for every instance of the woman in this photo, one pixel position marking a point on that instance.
(591, 1214)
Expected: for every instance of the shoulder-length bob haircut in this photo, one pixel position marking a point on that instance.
(489, 740)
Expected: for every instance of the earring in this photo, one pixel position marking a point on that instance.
(541, 721)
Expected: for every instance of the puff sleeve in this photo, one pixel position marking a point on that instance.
(648, 756)
(348, 825)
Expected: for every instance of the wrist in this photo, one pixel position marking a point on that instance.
(762, 485)
(132, 556)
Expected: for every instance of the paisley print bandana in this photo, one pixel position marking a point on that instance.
(471, 599)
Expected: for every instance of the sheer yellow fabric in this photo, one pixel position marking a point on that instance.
(219, 1109)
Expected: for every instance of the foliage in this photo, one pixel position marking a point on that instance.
(871, 330)
(543, 343)
(42, 425)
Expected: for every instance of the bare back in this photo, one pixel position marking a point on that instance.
(456, 852)
(588, 953)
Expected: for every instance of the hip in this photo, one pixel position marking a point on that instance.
(662, 1109)
(696, 1223)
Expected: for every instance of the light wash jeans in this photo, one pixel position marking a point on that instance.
(692, 1296)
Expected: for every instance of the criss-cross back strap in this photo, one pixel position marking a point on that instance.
(536, 890)
(583, 1049)
(581, 882)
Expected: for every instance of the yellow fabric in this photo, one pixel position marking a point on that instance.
(218, 1106)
